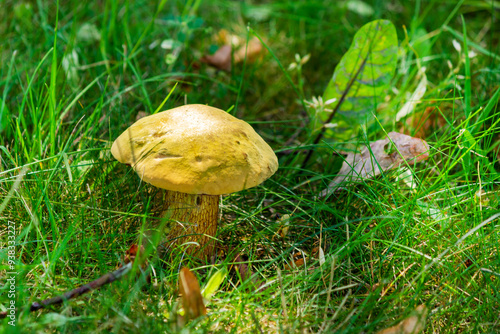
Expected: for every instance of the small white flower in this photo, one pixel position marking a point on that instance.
(167, 44)
(318, 105)
(70, 65)
(154, 44)
(331, 125)
(457, 45)
(88, 33)
(305, 59)
(330, 101)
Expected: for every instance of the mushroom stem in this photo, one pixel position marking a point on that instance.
(191, 218)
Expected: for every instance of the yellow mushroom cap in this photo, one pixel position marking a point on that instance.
(196, 149)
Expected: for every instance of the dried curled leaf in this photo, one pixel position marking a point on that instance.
(379, 158)
(423, 123)
(192, 300)
(221, 59)
(297, 263)
(131, 257)
(251, 52)
(131, 254)
(414, 324)
(242, 268)
(284, 225)
(245, 272)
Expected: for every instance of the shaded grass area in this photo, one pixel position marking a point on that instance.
(74, 75)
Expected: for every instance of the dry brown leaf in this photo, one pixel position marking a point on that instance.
(192, 300)
(242, 268)
(221, 59)
(246, 272)
(299, 258)
(370, 163)
(252, 52)
(130, 256)
(225, 37)
(315, 251)
(284, 225)
(414, 324)
(141, 114)
(131, 253)
(298, 261)
(424, 122)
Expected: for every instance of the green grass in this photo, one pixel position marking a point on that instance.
(388, 247)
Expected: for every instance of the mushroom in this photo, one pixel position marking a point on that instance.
(196, 153)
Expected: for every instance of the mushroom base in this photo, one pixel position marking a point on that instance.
(190, 219)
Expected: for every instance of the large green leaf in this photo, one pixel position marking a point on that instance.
(361, 77)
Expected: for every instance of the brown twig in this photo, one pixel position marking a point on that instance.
(101, 281)
(337, 107)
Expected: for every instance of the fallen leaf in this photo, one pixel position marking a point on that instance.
(141, 114)
(298, 261)
(284, 225)
(131, 254)
(381, 156)
(245, 272)
(468, 263)
(314, 252)
(423, 122)
(242, 268)
(414, 324)
(225, 37)
(192, 300)
(221, 59)
(251, 52)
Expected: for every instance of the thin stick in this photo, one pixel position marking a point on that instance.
(337, 107)
(103, 280)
